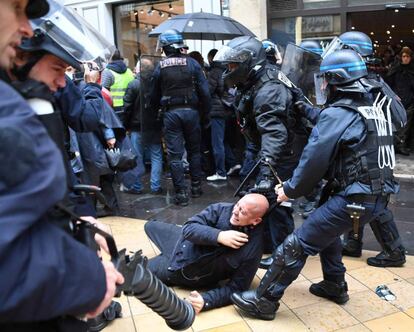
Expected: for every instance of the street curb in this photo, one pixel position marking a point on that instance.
(404, 176)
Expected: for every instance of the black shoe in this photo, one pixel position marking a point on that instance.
(352, 248)
(196, 189)
(266, 262)
(403, 151)
(384, 259)
(336, 292)
(260, 308)
(308, 208)
(159, 191)
(109, 314)
(181, 198)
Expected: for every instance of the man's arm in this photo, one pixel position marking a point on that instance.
(107, 79)
(201, 228)
(130, 100)
(270, 105)
(80, 108)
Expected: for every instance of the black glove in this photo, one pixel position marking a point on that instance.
(300, 107)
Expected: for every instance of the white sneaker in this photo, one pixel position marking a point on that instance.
(216, 177)
(234, 169)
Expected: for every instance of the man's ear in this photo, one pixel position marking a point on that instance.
(257, 221)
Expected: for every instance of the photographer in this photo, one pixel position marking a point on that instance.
(55, 278)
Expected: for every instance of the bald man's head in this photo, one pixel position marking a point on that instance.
(249, 210)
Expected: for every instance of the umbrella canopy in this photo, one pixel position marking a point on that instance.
(203, 26)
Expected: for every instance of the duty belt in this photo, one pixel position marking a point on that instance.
(362, 198)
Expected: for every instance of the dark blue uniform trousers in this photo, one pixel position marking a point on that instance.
(182, 129)
(321, 233)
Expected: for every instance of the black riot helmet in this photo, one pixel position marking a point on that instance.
(245, 56)
(358, 41)
(36, 8)
(341, 69)
(312, 45)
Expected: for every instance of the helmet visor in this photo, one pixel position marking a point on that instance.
(321, 88)
(227, 55)
(74, 34)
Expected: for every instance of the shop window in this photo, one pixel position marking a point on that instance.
(296, 29)
(133, 22)
(376, 2)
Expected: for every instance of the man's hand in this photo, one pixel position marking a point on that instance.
(111, 143)
(91, 73)
(113, 278)
(196, 301)
(232, 239)
(281, 197)
(100, 240)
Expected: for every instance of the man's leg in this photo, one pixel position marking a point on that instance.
(321, 230)
(386, 233)
(136, 141)
(333, 286)
(174, 140)
(192, 134)
(217, 143)
(156, 167)
(165, 237)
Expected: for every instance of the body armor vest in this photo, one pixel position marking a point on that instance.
(370, 160)
(177, 82)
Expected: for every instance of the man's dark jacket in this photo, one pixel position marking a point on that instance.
(200, 258)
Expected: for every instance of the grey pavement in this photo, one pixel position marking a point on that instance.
(147, 206)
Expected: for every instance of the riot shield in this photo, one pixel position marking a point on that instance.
(151, 119)
(300, 65)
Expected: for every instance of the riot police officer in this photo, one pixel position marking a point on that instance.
(384, 227)
(32, 181)
(181, 90)
(265, 116)
(343, 147)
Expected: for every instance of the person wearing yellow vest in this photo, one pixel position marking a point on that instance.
(115, 78)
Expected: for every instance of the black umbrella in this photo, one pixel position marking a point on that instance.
(203, 26)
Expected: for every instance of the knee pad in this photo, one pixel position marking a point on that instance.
(289, 251)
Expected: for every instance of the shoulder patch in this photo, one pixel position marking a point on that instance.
(171, 62)
(17, 156)
(284, 79)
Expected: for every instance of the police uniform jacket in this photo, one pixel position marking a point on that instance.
(45, 273)
(337, 131)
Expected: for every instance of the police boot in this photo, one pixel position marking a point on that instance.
(352, 247)
(384, 259)
(114, 310)
(255, 306)
(334, 291)
(181, 197)
(196, 189)
(266, 262)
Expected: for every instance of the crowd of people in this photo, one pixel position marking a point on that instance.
(67, 123)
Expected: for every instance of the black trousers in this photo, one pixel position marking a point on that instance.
(165, 237)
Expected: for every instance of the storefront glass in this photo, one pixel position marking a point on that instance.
(377, 2)
(296, 29)
(134, 21)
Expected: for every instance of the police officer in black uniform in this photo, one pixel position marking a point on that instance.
(384, 227)
(36, 250)
(343, 148)
(181, 90)
(266, 119)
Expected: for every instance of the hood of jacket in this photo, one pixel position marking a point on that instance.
(118, 66)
